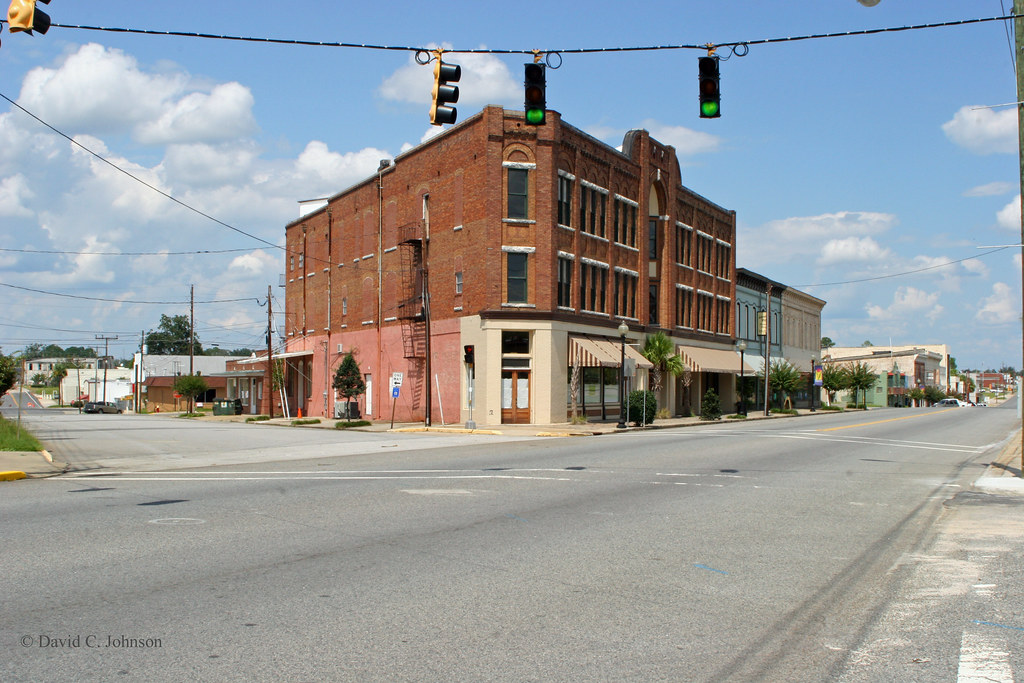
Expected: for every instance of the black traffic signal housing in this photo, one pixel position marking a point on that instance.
(535, 93)
(23, 15)
(468, 354)
(445, 93)
(710, 91)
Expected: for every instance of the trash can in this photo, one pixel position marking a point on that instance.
(227, 406)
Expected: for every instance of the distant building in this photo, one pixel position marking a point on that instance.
(898, 369)
(790, 318)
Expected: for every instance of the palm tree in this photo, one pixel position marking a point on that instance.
(784, 378)
(660, 350)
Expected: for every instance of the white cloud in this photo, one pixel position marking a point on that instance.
(852, 249)
(908, 303)
(1009, 216)
(333, 171)
(12, 191)
(256, 262)
(991, 189)
(1000, 308)
(98, 89)
(803, 238)
(223, 114)
(485, 80)
(984, 131)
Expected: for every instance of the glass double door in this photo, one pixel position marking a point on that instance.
(515, 396)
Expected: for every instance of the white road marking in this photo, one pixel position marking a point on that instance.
(982, 662)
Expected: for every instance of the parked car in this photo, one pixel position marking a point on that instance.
(952, 402)
(101, 407)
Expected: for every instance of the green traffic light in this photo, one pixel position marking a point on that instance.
(709, 109)
(535, 117)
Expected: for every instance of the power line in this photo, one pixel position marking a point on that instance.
(585, 50)
(123, 253)
(124, 301)
(906, 272)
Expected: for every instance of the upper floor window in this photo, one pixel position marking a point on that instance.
(564, 282)
(516, 280)
(624, 221)
(518, 193)
(564, 199)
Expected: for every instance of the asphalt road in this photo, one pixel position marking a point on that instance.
(810, 549)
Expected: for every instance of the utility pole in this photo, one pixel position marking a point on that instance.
(191, 329)
(106, 361)
(1018, 31)
(269, 382)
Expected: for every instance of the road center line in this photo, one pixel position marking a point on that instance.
(891, 419)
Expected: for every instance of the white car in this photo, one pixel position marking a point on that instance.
(952, 402)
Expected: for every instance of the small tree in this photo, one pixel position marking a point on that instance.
(658, 349)
(348, 380)
(784, 378)
(710, 407)
(933, 394)
(833, 379)
(190, 386)
(860, 379)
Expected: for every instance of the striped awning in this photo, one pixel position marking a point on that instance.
(699, 359)
(593, 352)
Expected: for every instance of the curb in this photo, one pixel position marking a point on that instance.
(12, 476)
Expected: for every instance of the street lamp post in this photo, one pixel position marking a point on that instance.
(741, 345)
(623, 330)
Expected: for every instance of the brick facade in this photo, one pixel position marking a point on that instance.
(464, 213)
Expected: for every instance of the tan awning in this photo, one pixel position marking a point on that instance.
(713, 360)
(605, 353)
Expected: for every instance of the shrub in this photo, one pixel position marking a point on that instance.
(347, 425)
(641, 407)
(839, 408)
(663, 414)
(257, 418)
(710, 407)
(737, 416)
(306, 421)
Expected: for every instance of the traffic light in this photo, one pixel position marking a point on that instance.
(23, 16)
(468, 354)
(444, 93)
(710, 93)
(535, 93)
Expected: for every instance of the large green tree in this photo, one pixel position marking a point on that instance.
(172, 336)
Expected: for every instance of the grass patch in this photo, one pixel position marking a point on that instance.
(837, 408)
(10, 440)
(192, 415)
(736, 416)
(306, 421)
(257, 418)
(784, 411)
(349, 425)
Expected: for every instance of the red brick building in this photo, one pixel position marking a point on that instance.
(534, 243)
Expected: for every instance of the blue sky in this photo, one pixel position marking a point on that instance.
(847, 160)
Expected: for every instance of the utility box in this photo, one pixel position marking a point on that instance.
(227, 406)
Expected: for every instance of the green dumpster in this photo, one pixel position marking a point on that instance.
(227, 406)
